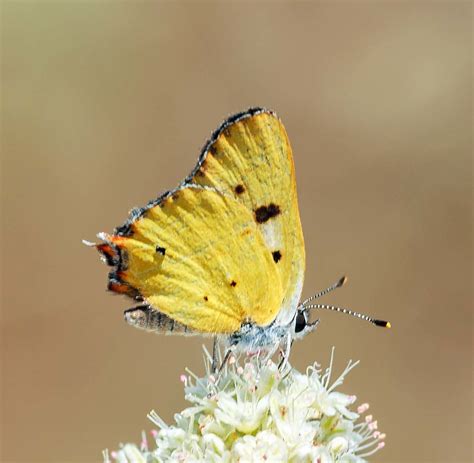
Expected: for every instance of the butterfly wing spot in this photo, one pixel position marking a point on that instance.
(161, 250)
(265, 213)
(206, 298)
(276, 256)
(233, 284)
(239, 189)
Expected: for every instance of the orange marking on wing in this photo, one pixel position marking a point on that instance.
(109, 253)
(119, 240)
(121, 288)
(107, 250)
(121, 275)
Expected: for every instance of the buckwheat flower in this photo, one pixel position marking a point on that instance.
(241, 413)
(253, 412)
(265, 446)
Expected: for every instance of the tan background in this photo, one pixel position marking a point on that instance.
(106, 104)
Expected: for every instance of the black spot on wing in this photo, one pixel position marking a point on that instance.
(265, 213)
(233, 284)
(161, 250)
(239, 189)
(206, 298)
(276, 256)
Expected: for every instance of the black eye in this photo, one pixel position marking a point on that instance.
(300, 324)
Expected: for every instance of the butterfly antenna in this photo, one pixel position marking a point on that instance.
(374, 321)
(334, 286)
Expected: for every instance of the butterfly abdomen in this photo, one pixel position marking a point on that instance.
(146, 318)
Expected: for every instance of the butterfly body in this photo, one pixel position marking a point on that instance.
(223, 253)
(250, 337)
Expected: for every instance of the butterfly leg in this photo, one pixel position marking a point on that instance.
(214, 355)
(221, 368)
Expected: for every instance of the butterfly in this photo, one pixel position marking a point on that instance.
(223, 253)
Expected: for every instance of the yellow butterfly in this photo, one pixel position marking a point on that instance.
(223, 253)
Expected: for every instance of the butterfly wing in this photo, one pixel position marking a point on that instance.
(249, 158)
(234, 219)
(199, 257)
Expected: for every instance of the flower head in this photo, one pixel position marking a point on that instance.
(253, 412)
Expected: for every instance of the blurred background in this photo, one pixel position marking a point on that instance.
(107, 104)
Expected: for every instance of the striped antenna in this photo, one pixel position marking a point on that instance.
(374, 321)
(334, 286)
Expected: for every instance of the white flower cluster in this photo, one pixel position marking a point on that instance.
(255, 413)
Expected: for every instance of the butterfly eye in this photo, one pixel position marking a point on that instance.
(300, 324)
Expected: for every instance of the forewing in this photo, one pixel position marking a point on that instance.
(249, 158)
